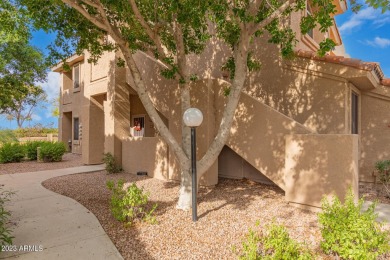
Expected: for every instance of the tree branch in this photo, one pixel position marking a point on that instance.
(240, 57)
(277, 13)
(152, 35)
(180, 50)
(87, 15)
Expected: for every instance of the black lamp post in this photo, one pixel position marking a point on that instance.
(193, 117)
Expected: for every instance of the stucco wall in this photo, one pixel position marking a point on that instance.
(258, 135)
(375, 130)
(153, 159)
(296, 89)
(320, 165)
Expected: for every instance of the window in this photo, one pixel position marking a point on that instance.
(308, 13)
(76, 76)
(76, 128)
(354, 113)
(138, 128)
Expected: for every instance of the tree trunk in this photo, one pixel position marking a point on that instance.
(185, 192)
(184, 202)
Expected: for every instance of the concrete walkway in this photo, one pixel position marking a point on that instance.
(383, 211)
(52, 226)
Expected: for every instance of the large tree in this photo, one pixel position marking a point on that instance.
(22, 66)
(172, 31)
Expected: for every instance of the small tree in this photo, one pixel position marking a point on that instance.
(25, 105)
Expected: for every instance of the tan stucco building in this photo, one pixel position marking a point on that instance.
(312, 125)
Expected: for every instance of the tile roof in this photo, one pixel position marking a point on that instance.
(350, 62)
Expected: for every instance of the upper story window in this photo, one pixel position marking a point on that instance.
(76, 76)
(309, 13)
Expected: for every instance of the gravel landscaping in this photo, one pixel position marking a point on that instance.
(68, 160)
(225, 214)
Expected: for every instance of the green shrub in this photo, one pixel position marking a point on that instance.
(5, 232)
(11, 152)
(349, 232)
(31, 149)
(382, 171)
(111, 166)
(52, 151)
(128, 205)
(274, 243)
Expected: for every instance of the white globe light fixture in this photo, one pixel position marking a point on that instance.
(193, 117)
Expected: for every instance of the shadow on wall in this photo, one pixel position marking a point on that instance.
(292, 88)
(375, 134)
(318, 165)
(146, 154)
(258, 136)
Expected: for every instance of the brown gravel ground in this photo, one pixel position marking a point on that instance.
(225, 214)
(373, 192)
(68, 160)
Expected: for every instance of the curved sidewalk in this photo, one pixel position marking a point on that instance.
(52, 226)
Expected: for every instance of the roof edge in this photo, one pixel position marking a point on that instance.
(71, 60)
(350, 62)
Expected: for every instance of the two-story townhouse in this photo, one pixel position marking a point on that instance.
(312, 125)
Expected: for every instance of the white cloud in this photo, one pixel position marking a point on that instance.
(36, 117)
(382, 21)
(379, 42)
(356, 20)
(52, 86)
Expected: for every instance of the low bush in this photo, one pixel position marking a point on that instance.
(111, 165)
(382, 171)
(52, 151)
(274, 243)
(349, 232)
(31, 149)
(5, 232)
(12, 152)
(128, 205)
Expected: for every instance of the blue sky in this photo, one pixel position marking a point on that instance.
(365, 35)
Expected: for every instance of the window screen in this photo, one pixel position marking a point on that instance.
(76, 128)
(354, 113)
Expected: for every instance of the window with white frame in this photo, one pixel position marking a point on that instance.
(76, 76)
(138, 125)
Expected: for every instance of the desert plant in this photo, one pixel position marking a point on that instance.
(274, 243)
(111, 165)
(7, 136)
(128, 205)
(349, 232)
(382, 171)
(11, 152)
(36, 131)
(52, 151)
(31, 149)
(5, 232)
